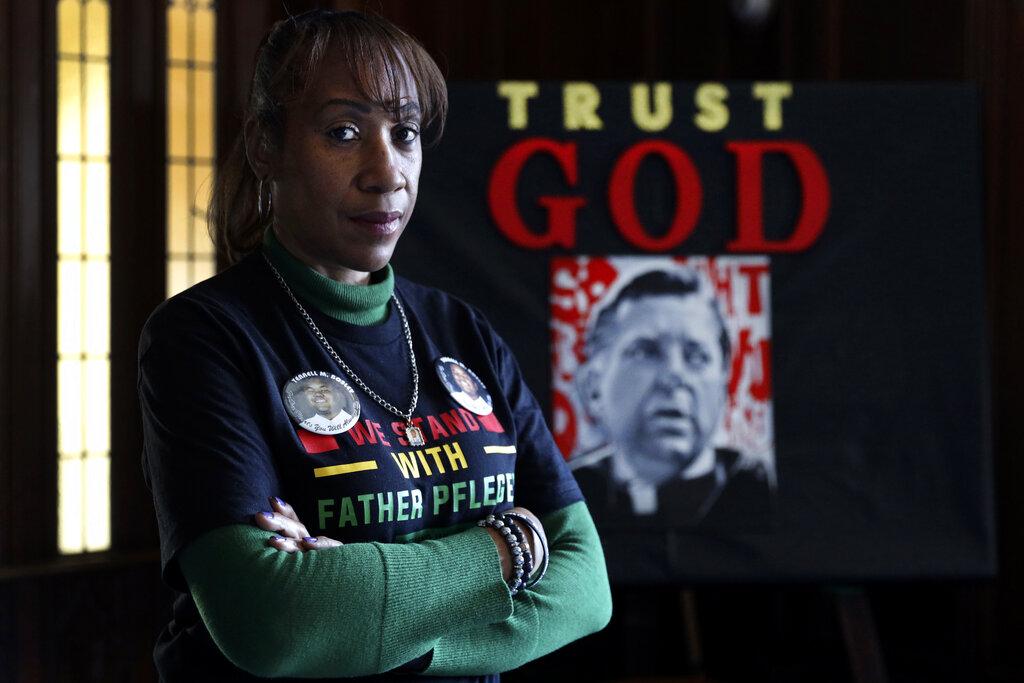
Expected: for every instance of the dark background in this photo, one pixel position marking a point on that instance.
(878, 366)
(93, 618)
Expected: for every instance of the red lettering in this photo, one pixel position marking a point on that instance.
(750, 200)
(565, 423)
(360, 433)
(721, 280)
(380, 433)
(469, 419)
(399, 429)
(760, 386)
(453, 422)
(501, 195)
(753, 273)
(622, 202)
(436, 430)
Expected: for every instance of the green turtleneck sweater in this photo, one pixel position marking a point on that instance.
(356, 304)
(277, 614)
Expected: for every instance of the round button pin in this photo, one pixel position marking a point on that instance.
(320, 402)
(463, 385)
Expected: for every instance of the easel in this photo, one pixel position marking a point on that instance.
(860, 636)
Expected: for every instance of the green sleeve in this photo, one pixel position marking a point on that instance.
(358, 609)
(572, 600)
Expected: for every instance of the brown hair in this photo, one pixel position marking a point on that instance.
(377, 53)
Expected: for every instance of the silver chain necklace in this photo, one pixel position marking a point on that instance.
(412, 433)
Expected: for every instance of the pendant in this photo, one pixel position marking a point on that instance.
(414, 435)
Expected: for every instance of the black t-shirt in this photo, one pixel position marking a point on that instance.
(219, 440)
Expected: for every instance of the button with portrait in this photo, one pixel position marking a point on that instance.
(463, 385)
(320, 402)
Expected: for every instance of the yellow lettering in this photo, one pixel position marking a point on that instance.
(646, 118)
(518, 94)
(407, 465)
(714, 114)
(580, 100)
(435, 454)
(423, 461)
(455, 456)
(773, 94)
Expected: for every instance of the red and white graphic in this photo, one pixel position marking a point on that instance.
(596, 303)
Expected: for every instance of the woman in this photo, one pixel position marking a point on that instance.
(397, 575)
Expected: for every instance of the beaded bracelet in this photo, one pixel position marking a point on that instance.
(525, 521)
(511, 534)
(524, 547)
(522, 559)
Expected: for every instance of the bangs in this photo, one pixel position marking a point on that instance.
(385, 63)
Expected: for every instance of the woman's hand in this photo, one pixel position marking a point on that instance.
(537, 543)
(291, 532)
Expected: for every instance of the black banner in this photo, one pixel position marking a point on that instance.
(754, 312)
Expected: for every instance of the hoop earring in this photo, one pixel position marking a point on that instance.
(259, 201)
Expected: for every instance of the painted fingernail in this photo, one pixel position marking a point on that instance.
(279, 501)
(309, 539)
(276, 538)
(268, 515)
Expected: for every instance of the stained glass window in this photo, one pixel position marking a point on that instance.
(83, 274)
(190, 140)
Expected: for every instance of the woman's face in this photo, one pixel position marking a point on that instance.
(344, 178)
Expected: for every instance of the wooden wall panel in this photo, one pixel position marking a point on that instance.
(6, 292)
(28, 239)
(137, 248)
(996, 57)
